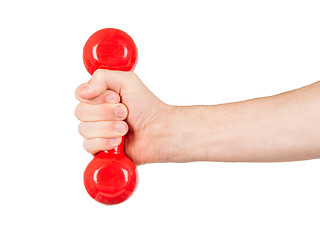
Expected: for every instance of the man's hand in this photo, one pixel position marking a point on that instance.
(115, 103)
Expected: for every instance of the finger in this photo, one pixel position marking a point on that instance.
(104, 129)
(107, 96)
(86, 112)
(96, 145)
(102, 80)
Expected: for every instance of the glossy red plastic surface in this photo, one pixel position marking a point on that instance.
(111, 177)
(111, 49)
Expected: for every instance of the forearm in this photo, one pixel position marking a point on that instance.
(283, 127)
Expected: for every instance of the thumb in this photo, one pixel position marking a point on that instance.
(103, 80)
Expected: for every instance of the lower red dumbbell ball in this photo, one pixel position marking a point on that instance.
(111, 177)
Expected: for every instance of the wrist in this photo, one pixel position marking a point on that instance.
(188, 133)
(164, 136)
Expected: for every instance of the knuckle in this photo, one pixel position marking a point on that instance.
(133, 76)
(77, 111)
(128, 76)
(99, 74)
(130, 79)
(81, 129)
(76, 92)
(86, 145)
(90, 145)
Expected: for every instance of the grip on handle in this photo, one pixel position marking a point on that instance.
(111, 177)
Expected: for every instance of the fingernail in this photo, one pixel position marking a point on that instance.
(115, 141)
(111, 99)
(120, 112)
(120, 126)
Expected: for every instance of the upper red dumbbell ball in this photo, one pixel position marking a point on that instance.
(110, 49)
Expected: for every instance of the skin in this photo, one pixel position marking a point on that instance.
(278, 128)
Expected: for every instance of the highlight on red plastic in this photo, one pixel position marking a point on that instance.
(110, 49)
(111, 177)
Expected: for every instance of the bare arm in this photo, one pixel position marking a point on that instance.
(283, 127)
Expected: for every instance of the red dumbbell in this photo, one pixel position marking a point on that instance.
(111, 177)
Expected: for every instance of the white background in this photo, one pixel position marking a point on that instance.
(190, 52)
